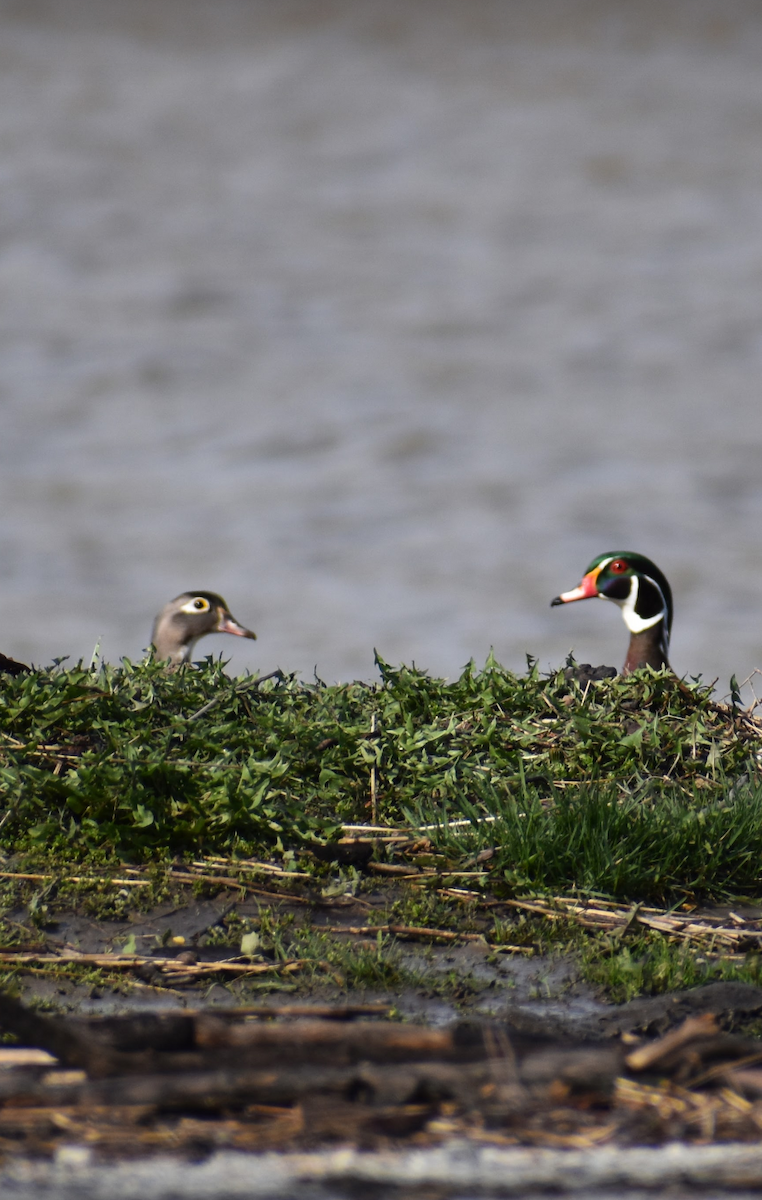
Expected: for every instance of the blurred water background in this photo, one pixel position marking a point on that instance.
(382, 318)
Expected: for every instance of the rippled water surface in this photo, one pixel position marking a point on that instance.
(382, 319)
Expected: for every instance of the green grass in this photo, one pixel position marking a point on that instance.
(659, 846)
(638, 787)
(651, 965)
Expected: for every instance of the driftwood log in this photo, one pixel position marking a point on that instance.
(191, 1079)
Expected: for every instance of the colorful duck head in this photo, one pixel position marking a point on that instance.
(644, 596)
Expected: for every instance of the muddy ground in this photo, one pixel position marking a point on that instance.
(542, 1001)
(535, 994)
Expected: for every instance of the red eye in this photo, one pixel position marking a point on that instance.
(618, 566)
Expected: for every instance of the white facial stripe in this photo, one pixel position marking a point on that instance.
(635, 623)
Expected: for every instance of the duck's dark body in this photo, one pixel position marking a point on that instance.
(9, 666)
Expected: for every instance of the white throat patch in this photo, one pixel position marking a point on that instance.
(187, 650)
(635, 623)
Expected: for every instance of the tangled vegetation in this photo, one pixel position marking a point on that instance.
(638, 786)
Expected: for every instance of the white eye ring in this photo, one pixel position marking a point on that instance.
(197, 605)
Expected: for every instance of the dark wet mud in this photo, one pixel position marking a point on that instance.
(454, 980)
(541, 995)
(490, 1132)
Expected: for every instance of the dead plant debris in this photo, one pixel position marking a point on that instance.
(187, 1081)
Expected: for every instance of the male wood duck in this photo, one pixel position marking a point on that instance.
(644, 596)
(189, 617)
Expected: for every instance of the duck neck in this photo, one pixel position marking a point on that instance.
(647, 649)
(166, 646)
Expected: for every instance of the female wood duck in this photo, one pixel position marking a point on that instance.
(644, 596)
(9, 666)
(189, 617)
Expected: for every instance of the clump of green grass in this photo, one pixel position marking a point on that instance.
(651, 965)
(621, 788)
(656, 844)
(279, 936)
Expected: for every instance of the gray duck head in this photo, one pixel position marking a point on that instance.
(189, 617)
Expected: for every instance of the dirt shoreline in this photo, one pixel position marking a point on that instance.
(464, 978)
(555, 1104)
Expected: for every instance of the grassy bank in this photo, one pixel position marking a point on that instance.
(629, 787)
(495, 785)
